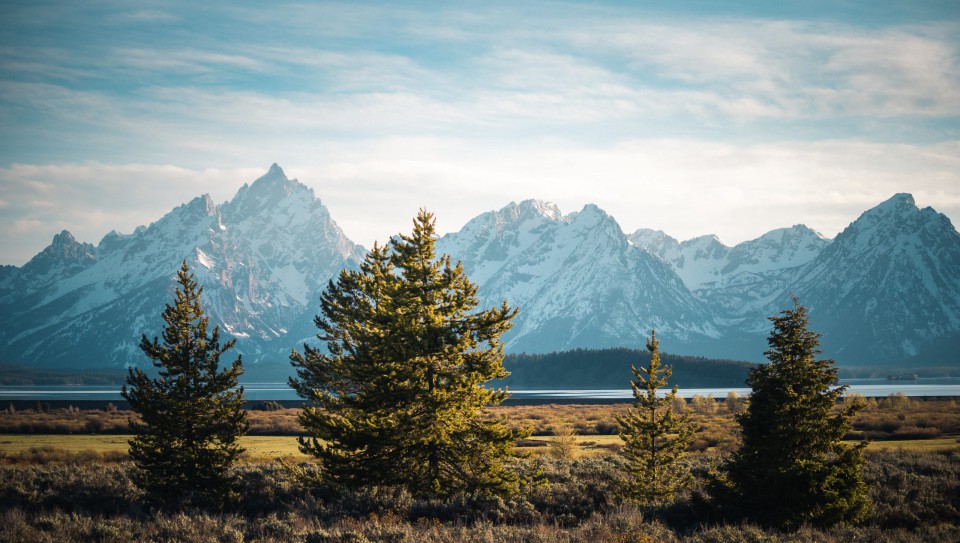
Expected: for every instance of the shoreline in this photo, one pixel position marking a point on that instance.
(21, 404)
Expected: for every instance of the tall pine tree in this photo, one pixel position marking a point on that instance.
(792, 467)
(655, 438)
(398, 396)
(190, 414)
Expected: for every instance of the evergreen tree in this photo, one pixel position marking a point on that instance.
(190, 414)
(655, 438)
(397, 398)
(792, 467)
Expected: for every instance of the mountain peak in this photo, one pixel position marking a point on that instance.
(795, 232)
(64, 245)
(64, 250)
(589, 212)
(898, 213)
(805, 230)
(266, 192)
(525, 210)
(592, 208)
(898, 203)
(706, 240)
(202, 205)
(591, 216)
(540, 208)
(901, 198)
(274, 173)
(63, 239)
(644, 237)
(897, 216)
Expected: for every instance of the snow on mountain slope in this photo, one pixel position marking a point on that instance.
(575, 278)
(701, 260)
(736, 281)
(888, 287)
(758, 271)
(263, 258)
(704, 260)
(778, 249)
(886, 290)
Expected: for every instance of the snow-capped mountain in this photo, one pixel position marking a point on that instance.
(885, 291)
(577, 280)
(263, 258)
(890, 296)
(888, 287)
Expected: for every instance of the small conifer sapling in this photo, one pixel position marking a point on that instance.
(655, 437)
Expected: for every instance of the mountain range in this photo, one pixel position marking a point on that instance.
(885, 291)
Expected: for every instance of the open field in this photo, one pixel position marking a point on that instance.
(65, 476)
(44, 448)
(892, 423)
(17, 447)
(947, 444)
(888, 418)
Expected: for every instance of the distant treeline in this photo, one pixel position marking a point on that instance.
(898, 374)
(15, 374)
(610, 368)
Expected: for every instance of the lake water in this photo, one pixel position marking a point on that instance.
(945, 386)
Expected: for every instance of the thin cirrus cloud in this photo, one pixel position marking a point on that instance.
(730, 123)
(805, 70)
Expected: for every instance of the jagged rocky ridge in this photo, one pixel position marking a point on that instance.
(885, 291)
(577, 280)
(263, 258)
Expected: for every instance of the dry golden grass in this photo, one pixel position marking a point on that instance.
(13, 443)
(913, 425)
(943, 445)
(585, 446)
(19, 448)
(265, 448)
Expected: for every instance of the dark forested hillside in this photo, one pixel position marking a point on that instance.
(20, 375)
(610, 368)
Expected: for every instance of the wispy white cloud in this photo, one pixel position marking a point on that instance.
(749, 122)
(805, 70)
(734, 70)
(180, 60)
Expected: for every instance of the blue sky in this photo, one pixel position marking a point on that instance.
(730, 118)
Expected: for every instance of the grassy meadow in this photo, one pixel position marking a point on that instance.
(895, 423)
(65, 476)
